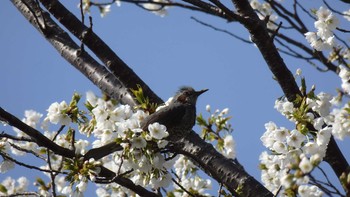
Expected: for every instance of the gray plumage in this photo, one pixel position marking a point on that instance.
(180, 115)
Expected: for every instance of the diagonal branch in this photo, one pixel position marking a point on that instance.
(115, 64)
(35, 135)
(69, 50)
(230, 174)
(261, 38)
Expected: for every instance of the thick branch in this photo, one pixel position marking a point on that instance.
(98, 153)
(114, 63)
(261, 38)
(109, 175)
(69, 50)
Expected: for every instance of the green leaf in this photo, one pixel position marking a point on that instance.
(3, 189)
(143, 101)
(201, 121)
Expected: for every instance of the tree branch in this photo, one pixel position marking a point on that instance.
(115, 64)
(228, 173)
(35, 135)
(70, 51)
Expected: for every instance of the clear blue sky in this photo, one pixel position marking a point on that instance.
(166, 53)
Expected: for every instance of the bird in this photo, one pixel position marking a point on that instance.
(179, 116)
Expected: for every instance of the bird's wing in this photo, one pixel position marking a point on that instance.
(168, 116)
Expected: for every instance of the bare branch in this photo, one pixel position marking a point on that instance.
(23, 139)
(221, 30)
(24, 164)
(115, 64)
(35, 135)
(184, 189)
(65, 46)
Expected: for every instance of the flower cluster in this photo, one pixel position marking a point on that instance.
(295, 153)
(325, 24)
(186, 173)
(143, 158)
(10, 186)
(264, 10)
(216, 128)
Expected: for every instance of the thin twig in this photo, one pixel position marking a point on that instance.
(26, 165)
(184, 189)
(58, 132)
(26, 151)
(52, 174)
(24, 194)
(221, 30)
(23, 139)
(220, 188)
(276, 31)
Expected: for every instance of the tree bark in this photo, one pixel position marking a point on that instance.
(73, 53)
(115, 64)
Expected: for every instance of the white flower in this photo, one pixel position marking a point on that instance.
(156, 8)
(328, 17)
(224, 111)
(32, 118)
(341, 123)
(318, 123)
(268, 137)
(102, 192)
(100, 113)
(91, 98)
(311, 148)
(157, 131)
(138, 142)
(80, 146)
(207, 108)
(284, 106)
(295, 139)
(229, 142)
(162, 143)
(315, 42)
(229, 145)
(12, 187)
(298, 72)
(6, 165)
(158, 161)
(57, 113)
(323, 136)
(287, 180)
(144, 164)
(344, 75)
(309, 191)
(315, 159)
(281, 134)
(82, 185)
(305, 165)
(104, 10)
(323, 104)
(347, 15)
(279, 147)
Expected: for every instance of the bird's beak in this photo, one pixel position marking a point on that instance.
(201, 92)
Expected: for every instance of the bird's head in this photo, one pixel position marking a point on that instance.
(187, 95)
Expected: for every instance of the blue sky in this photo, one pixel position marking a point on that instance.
(166, 53)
